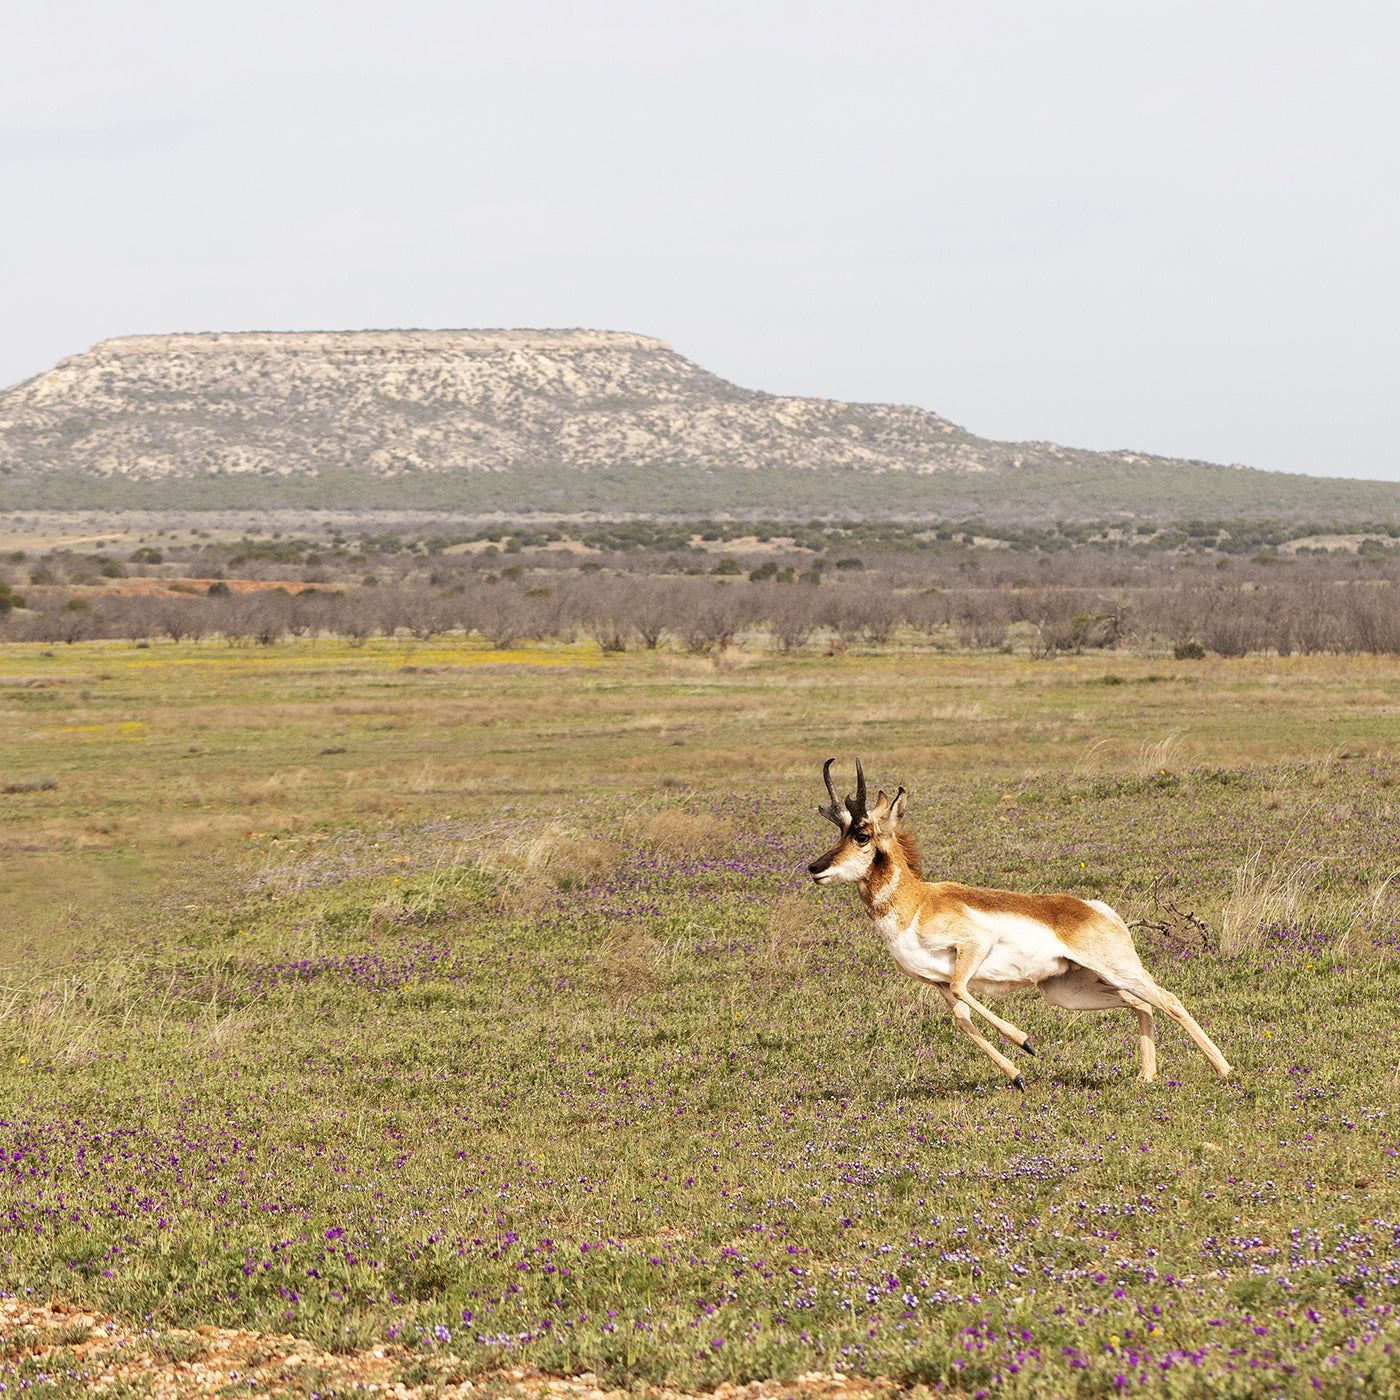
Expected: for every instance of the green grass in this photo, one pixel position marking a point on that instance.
(476, 1030)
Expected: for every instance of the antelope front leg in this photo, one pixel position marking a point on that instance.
(962, 1018)
(971, 956)
(1015, 1035)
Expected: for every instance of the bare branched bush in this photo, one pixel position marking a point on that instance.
(855, 612)
(1226, 627)
(1373, 619)
(1069, 601)
(259, 617)
(181, 618)
(880, 615)
(605, 607)
(1313, 626)
(927, 611)
(712, 614)
(981, 619)
(654, 610)
(1051, 613)
(792, 614)
(841, 616)
(499, 615)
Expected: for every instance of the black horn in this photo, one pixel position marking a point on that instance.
(832, 813)
(860, 786)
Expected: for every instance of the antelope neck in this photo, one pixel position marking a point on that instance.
(878, 887)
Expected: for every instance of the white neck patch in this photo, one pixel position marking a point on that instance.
(886, 891)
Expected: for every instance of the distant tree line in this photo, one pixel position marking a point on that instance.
(1089, 601)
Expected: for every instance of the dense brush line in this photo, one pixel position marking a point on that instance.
(622, 611)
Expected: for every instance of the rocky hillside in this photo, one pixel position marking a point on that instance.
(555, 420)
(385, 403)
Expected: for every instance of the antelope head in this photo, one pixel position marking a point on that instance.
(867, 833)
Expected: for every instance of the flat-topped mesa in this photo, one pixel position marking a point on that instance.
(369, 342)
(383, 403)
(510, 419)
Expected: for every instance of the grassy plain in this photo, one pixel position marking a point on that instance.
(476, 1002)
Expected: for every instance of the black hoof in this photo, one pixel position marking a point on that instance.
(1020, 1082)
(1029, 1049)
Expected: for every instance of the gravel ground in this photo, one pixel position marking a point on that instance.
(79, 1352)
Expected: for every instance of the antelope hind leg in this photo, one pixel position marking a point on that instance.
(1147, 1035)
(1173, 1007)
(1130, 982)
(1080, 989)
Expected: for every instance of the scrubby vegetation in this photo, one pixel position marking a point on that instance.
(1197, 587)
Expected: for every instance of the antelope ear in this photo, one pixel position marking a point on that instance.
(880, 811)
(899, 806)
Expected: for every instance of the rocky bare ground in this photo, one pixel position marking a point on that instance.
(66, 1349)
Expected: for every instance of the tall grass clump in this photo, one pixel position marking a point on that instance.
(1263, 896)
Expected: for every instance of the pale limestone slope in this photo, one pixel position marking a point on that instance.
(388, 402)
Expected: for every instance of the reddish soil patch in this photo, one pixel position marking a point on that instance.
(170, 587)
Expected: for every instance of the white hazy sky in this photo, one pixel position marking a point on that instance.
(1164, 226)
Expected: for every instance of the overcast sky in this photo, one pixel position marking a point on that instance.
(1170, 227)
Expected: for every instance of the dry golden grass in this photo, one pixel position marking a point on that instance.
(205, 830)
(231, 1029)
(792, 939)
(527, 894)
(688, 667)
(789, 920)
(373, 800)
(271, 788)
(553, 858)
(1266, 896)
(625, 963)
(384, 915)
(1094, 759)
(676, 833)
(99, 834)
(579, 859)
(1160, 755)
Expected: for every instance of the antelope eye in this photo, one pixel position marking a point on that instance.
(861, 838)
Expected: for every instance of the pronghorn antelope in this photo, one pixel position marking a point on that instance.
(971, 943)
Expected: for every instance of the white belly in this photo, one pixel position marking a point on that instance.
(1025, 952)
(922, 958)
